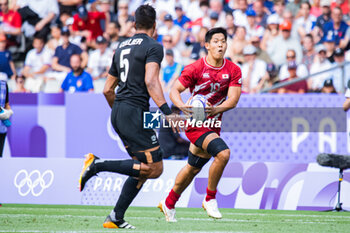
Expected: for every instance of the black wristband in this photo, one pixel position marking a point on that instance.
(165, 109)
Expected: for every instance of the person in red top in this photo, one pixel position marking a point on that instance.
(11, 22)
(88, 23)
(219, 80)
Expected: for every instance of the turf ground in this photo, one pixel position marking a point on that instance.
(68, 218)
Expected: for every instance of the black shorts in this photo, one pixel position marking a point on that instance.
(127, 121)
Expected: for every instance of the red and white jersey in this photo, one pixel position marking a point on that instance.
(212, 82)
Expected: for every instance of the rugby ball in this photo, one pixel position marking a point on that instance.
(198, 103)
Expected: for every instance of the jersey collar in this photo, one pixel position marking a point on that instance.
(214, 67)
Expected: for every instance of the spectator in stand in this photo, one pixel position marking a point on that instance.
(239, 14)
(105, 7)
(278, 7)
(198, 48)
(316, 9)
(169, 28)
(338, 75)
(37, 16)
(261, 54)
(171, 71)
(230, 27)
(88, 24)
(213, 21)
(329, 43)
(77, 80)
(112, 35)
(167, 42)
(6, 64)
(296, 88)
(261, 15)
(281, 44)
(271, 78)
(36, 64)
(252, 27)
(6, 111)
(315, 83)
(301, 69)
(328, 87)
(306, 21)
(325, 17)
(217, 7)
(288, 16)
(271, 32)
(336, 27)
(100, 59)
(235, 51)
(308, 51)
(61, 59)
(181, 19)
(11, 24)
(55, 39)
(125, 20)
(253, 71)
(20, 85)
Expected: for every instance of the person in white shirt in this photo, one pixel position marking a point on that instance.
(280, 45)
(301, 68)
(305, 22)
(175, 31)
(315, 83)
(339, 83)
(253, 70)
(252, 27)
(100, 59)
(239, 14)
(36, 64)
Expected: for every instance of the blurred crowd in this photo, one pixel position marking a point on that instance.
(68, 45)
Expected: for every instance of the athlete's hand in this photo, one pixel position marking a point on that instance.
(174, 121)
(210, 109)
(187, 108)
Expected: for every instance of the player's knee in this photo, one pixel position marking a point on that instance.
(193, 170)
(156, 170)
(223, 156)
(196, 162)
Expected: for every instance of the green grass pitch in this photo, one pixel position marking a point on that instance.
(70, 218)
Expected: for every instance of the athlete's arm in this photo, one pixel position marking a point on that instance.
(153, 85)
(175, 97)
(109, 89)
(234, 92)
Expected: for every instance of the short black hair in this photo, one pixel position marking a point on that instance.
(145, 17)
(39, 36)
(213, 31)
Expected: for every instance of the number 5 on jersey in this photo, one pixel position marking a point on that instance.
(124, 63)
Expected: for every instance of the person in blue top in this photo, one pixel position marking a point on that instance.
(171, 71)
(181, 18)
(77, 80)
(336, 27)
(6, 64)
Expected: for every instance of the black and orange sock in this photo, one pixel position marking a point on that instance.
(128, 167)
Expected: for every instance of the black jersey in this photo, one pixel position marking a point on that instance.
(128, 66)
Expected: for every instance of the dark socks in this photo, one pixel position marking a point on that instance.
(127, 195)
(128, 167)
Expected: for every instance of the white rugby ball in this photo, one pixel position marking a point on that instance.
(198, 103)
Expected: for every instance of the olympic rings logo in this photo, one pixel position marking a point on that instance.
(34, 182)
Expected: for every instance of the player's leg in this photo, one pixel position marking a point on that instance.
(216, 147)
(151, 167)
(197, 158)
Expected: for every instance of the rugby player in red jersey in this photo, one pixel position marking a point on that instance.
(219, 80)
